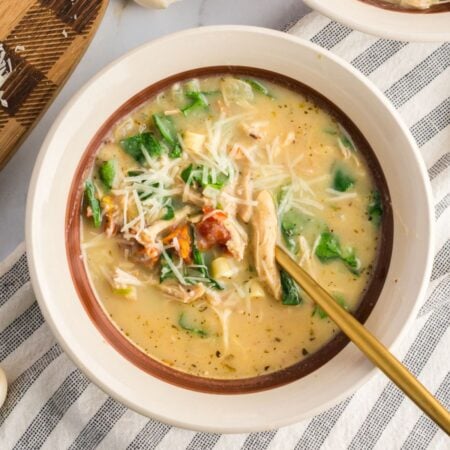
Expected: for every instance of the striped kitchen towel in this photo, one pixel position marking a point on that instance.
(52, 405)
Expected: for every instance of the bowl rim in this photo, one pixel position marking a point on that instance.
(386, 23)
(33, 257)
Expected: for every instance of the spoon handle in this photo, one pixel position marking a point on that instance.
(367, 343)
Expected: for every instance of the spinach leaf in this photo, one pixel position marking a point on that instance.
(318, 311)
(330, 131)
(282, 194)
(89, 191)
(170, 212)
(346, 142)
(135, 173)
(108, 173)
(342, 180)
(322, 314)
(194, 174)
(292, 224)
(145, 195)
(198, 100)
(257, 86)
(329, 248)
(183, 324)
(169, 134)
(139, 143)
(290, 294)
(199, 260)
(352, 262)
(375, 208)
(166, 271)
(288, 231)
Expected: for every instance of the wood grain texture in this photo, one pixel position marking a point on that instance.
(44, 39)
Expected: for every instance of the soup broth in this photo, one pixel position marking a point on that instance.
(185, 202)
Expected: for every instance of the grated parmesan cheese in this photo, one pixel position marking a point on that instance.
(173, 267)
(122, 278)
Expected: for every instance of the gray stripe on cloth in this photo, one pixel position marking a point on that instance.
(391, 398)
(150, 436)
(53, 411)
(376, 55)
(19, 387)
(420, 76)
(425, 429)
(439, 296)
(439, 166)
(14, 279)
(99, 425)
(441, 265)
(20, 330)
(331, 35)
(442, 206)
(432, 124)
(259, 441)
(203, 441)
(320, 427)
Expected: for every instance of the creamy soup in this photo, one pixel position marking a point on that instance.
(183, 207)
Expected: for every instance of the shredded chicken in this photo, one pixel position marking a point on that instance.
(185, 294)
(190, 196)
(229, 206)
(149, 235)
(244, 191)
(265, 225)
(111, 215)
(238, 241)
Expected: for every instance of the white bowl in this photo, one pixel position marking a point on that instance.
(211, 46)
(402, 26)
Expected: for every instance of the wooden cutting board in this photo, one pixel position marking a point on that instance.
(42, 40)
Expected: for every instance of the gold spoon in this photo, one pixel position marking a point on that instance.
(367, 343)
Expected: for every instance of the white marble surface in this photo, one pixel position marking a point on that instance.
(125, 26)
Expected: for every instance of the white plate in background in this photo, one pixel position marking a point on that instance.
(401, 26)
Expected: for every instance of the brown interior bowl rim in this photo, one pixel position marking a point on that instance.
(132, 352)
